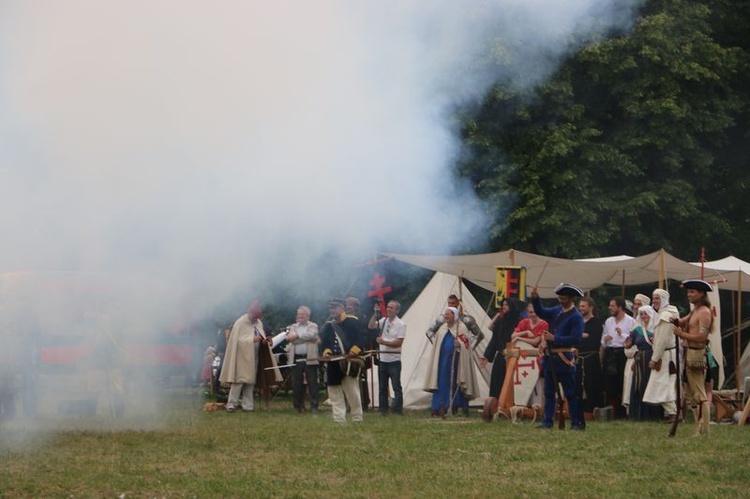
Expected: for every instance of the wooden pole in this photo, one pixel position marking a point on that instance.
(745, 413)
(622, 288)
(662, 270)
(738, 337)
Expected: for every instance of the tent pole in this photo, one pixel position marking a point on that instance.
(622, 289)
(662, 270)
(738, 339)
(512, 257)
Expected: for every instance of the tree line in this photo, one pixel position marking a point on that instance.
(638, 141)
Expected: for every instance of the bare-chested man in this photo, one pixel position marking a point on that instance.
(694, 329)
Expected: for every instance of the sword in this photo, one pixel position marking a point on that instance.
(366, 353)
(319, 359)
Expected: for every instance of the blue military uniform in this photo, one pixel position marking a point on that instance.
(568, 330)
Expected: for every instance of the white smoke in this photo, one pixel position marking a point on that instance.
(213, 143)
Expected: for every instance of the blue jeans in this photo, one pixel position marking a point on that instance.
(390, 371)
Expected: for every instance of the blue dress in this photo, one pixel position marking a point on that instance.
(441, 398)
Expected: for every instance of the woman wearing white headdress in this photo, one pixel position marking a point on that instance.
(642, 336)
(630, 352)
(450, 375)
(661, 385)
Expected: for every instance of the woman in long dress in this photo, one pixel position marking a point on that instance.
(642, 336)
(502, 327)
(450, 376)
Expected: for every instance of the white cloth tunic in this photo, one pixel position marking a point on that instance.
(661, 384)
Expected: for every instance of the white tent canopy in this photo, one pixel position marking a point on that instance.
(728, 273)
(415, 351)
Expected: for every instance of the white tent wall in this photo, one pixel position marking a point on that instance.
(745, 365)
(415, 351)
(714, 337)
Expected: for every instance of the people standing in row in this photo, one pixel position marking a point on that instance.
(589, 368)
(342, 336)
(661, 384)
(560, 344)
(247, 355)
(693, 329)
(391, 334)
(612, 352)
(450, 376)
(502, 326)
(303, 351)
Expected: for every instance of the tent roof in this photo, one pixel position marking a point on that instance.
(588, 274)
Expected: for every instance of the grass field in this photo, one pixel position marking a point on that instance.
(278, 453)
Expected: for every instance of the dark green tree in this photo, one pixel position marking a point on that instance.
(623, 149)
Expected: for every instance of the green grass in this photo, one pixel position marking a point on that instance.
(278, 453)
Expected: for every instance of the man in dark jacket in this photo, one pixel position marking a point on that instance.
(342, 338)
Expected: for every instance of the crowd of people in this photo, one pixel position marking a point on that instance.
(626, 364)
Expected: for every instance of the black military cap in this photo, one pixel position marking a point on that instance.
(337, 302)
(565, 289)
(698, 284)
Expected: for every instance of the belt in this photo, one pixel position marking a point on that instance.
(670, 348)
(300, 357)
(565, 350)
(616, 348)
(696, 348)
(560, 353)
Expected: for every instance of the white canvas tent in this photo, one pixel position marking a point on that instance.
(415, 350)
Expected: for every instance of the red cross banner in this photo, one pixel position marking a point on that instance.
(379, 291)
(510, 282)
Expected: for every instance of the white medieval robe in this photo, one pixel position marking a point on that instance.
(661, 384)
(467, 380)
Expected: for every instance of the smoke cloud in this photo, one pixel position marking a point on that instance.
(224, 145)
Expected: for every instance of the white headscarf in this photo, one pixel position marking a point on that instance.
(652, 318)
(645, 300)
(664, 295)
(455, 313)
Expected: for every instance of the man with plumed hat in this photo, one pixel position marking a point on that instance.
(694, 329)
(661, 384)
(343, 336)
(248, 354)
(566, 324)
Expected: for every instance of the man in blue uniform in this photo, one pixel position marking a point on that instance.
(567, 324)
(343, 336)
